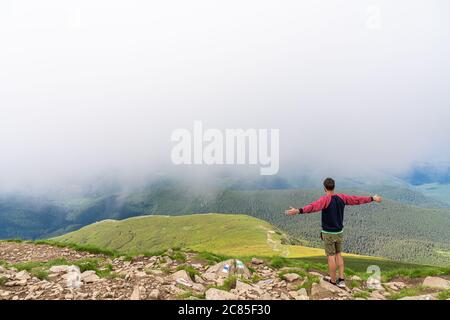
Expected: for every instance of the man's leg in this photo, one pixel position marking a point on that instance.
(340, 264)
(332, 268)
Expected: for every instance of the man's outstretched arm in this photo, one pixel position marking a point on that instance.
(357, 200)
(316, 206)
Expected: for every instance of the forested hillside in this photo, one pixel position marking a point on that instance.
(391, 229)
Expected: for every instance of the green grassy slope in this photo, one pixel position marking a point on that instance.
(226, 234)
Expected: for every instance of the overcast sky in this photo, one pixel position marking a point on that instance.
(97, 86)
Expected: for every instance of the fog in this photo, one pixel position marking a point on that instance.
(95, 88)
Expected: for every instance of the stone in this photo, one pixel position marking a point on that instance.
(22, 275)
(216, 294)
(227, 268)
(199, 279)
(198, 287)
(302, 295)
(89, 276)
(154, 294)
(395, 285)
(421, 297)
(377, 295)
(291, 277)
(182, 277)
(257, 261)
(324, 289)
(136, 294)
(436, 283)
(355, 278)
(59, 269)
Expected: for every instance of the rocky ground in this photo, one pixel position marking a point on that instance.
(30, 271)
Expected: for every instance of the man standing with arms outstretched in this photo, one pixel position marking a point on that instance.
(332, 206)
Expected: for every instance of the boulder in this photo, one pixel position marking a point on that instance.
(421, 297)
(154, 294)
(216, 294)
(324, 289)
(59, 269)
(227, 268)
(136, 294)
(182, 277)
(436, 283)
(291, 277)
(302, 295)
(242, 287)
(22, 275)
(89, 276)
(198, 287)
(257, 261)
(395, 285)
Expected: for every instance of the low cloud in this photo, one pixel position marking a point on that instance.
(96, 88)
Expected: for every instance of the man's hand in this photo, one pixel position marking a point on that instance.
(377, 198)
(292, 212)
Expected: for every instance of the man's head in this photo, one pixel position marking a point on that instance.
(329, 185)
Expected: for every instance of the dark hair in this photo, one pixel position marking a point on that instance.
(329, 184)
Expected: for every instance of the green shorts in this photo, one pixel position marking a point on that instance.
(332, 243)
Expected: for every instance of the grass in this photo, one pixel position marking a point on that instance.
(228, 284)
(211, 258)
(309, 281)
(90, 248)
(221, 234)
(444, 295)
(411, 273)
(188, 294)
(301, 272)
(189, 269)
(361, 294)
(3, 280)
(408, 292)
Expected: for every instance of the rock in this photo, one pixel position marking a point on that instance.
(242, 287)
(226, 268)
(216, 294)
(266, 282)
(291, 277)
(302, 295)
(23, 275)
(324, 289)
(136, 294)
(89, 277)
(199, 279)
(257, 261)
(16, 283)
(182, 277)
(377, 295)
(355, 278)
(59, 269)
(198, 287)
(154, 294)
(436, 283)
(395, 285)
(421, 297)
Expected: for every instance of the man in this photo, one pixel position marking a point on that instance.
(332, 206)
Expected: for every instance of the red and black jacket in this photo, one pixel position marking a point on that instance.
(332, 207)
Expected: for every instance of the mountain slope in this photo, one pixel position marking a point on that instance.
(226, 234)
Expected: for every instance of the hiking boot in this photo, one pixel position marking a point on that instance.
(328, 279)
(341, 283)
